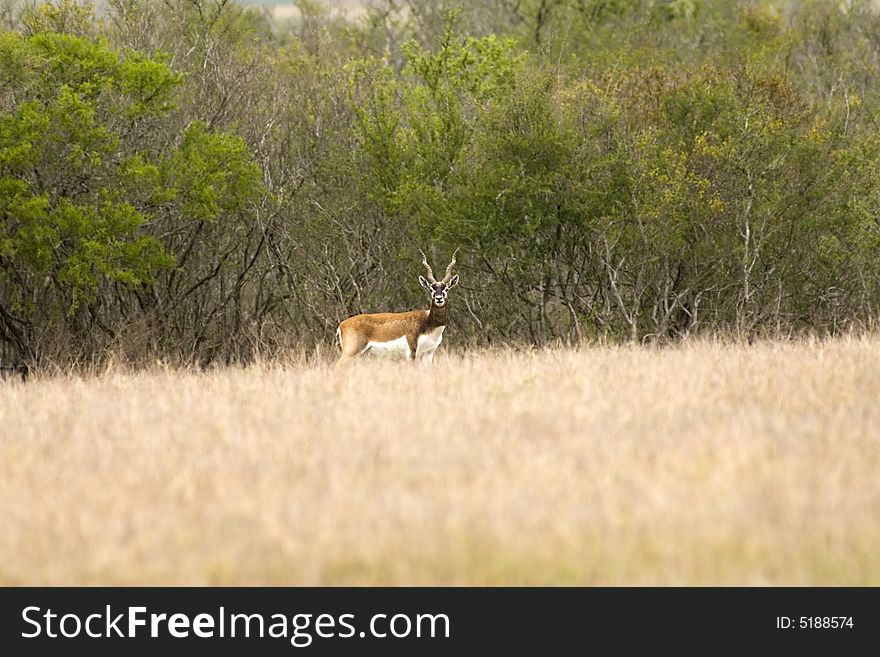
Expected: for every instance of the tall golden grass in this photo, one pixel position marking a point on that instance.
(706, 463)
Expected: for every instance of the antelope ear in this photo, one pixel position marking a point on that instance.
(424, 283)
(453, 282)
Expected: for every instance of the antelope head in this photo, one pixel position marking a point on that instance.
(439, 290)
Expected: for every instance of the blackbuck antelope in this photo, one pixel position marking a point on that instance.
(417, 333)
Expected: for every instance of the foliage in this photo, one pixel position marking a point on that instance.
(196, 180)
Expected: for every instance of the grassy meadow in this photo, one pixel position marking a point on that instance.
(704, 463)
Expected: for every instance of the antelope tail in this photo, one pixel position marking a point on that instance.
(339, 337)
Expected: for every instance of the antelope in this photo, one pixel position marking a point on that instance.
(416, 333)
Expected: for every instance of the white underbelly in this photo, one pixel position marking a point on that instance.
(429, 342)
(391, 348)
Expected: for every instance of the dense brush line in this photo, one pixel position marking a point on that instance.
(197, 182)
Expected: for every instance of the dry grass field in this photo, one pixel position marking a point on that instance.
(699, 464)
